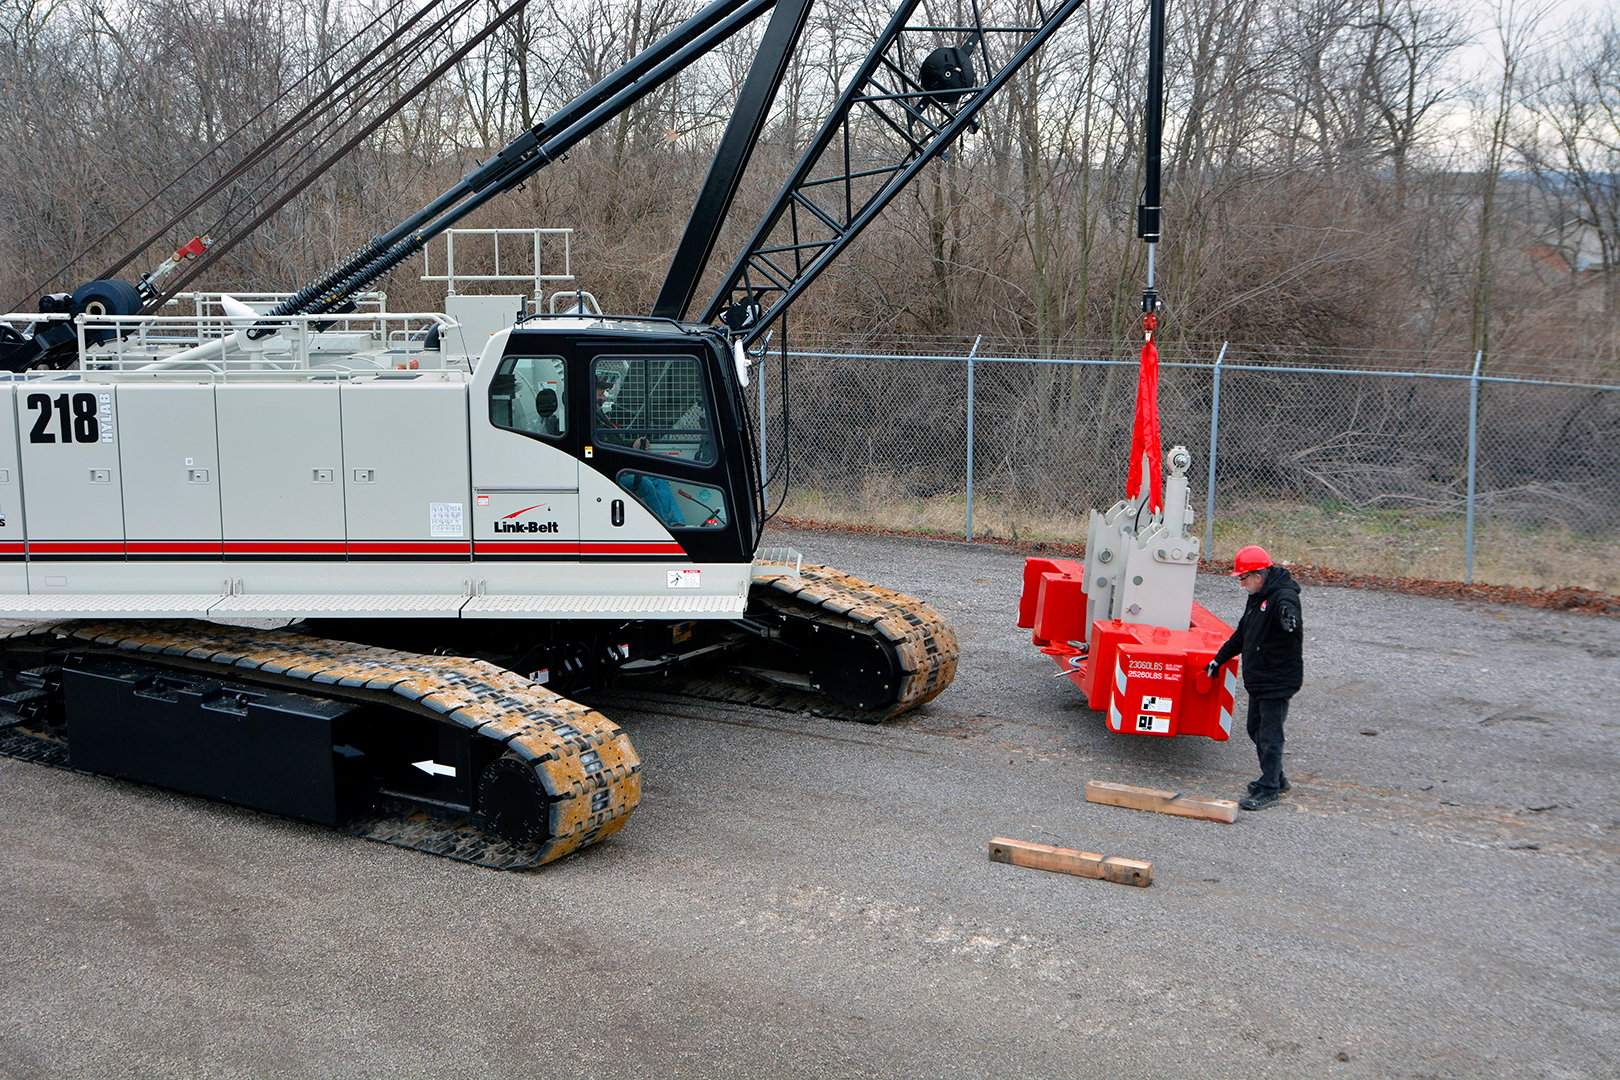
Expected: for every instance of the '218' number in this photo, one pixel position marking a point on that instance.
(75, 418)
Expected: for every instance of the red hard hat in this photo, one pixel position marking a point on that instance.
(1249, 558)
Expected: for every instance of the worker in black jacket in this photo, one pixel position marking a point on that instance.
(1270, 638)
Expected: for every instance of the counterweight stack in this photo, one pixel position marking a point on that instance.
(1123, 626)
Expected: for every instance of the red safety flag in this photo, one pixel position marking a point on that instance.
(1145, 433)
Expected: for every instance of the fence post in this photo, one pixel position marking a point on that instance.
(1214, 436)
(1473, 464)
(968, 528)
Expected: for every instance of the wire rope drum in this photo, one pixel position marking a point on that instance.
(102, 299)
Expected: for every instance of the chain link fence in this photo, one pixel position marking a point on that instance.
(1464, 468)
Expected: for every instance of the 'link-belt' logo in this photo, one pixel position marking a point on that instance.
(508, 525)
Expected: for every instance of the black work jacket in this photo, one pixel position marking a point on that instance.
(1273, 655)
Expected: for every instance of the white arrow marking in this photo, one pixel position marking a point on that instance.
(433, 768)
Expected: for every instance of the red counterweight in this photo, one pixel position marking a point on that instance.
(1147, 680)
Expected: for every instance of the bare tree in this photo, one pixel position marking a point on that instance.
(1409, 44)
(1309, 195)
(1516, 22)
(1574, 150)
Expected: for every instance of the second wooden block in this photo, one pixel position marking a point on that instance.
(1162, 802)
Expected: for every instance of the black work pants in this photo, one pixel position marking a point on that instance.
(1266, 717)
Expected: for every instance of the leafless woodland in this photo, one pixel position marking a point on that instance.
(1406, 182)
(1381, 174)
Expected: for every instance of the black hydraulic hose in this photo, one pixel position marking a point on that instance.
(378, 268)
(1147, 211)
(347, 269)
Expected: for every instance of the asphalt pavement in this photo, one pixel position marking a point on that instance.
(802, 897)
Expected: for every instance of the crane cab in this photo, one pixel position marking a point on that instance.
(641, 419)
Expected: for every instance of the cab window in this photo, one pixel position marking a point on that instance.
(654, 405)
(678, 504)
(527, 395)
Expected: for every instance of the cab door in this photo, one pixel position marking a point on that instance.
(655, 479)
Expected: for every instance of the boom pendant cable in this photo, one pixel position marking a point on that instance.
(356, 100)
(322, 102)
(215, 150)
(343, 151)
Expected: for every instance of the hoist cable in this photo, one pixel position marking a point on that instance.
(271, 142)
(356, 100)
(180, 174)
(342, 151)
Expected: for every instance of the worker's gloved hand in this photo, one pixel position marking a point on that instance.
(1212, 669)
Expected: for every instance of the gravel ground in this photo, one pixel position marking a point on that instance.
(801, 897)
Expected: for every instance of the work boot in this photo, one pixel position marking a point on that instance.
(1259, 802)
(1255, 788)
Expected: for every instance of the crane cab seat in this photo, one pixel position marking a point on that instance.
(525, 395)
(547, 412)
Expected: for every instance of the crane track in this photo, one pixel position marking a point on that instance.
(584, 765)
(922, 644)
(584, 771)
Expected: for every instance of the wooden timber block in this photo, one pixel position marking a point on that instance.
(1065, 861)
(1163, 802)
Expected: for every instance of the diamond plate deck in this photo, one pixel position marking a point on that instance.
(109, 605)
(346, 605)
(626, 607)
